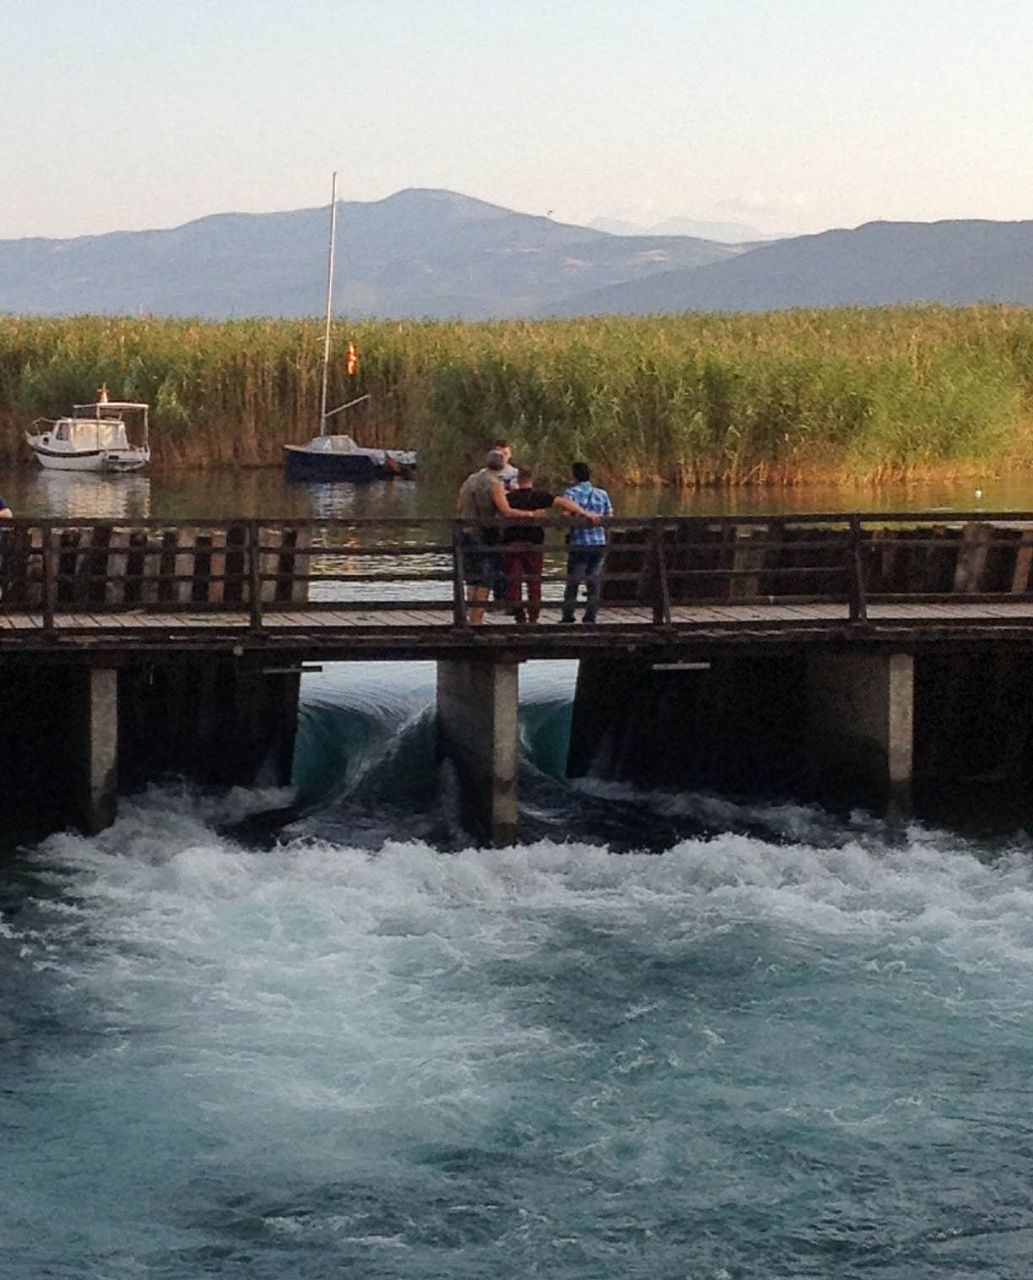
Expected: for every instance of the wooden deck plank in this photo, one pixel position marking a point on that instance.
(729, 613)
(695, 613)
(349, 618)
(335, 618)
(635, 614)
(901, 612)
(939, 614)
(916, 609)
(1002, 610)
(931, 612)
(815, 612)
(427, 617)
(834, 612)
(301, 617)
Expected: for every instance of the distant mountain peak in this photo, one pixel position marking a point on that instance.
(421, 196)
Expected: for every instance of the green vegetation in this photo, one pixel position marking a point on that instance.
(689, 399)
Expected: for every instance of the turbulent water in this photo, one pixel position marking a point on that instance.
(669, 1037)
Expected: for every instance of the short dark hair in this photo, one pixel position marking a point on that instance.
(502, 444)
(524, 473)
(581, 471)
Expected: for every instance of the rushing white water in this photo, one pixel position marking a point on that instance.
(742, 1057)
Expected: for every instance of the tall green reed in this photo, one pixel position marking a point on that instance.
(681, 399)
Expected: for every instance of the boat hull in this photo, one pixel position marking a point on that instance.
(102, 460)
(305, 464)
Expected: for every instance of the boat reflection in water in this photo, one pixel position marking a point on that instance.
(385, 499)
(84, 495)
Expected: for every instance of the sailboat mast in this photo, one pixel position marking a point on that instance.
(329, 306)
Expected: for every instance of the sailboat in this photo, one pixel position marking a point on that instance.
(332, 456)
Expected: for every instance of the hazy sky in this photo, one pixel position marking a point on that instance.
(791, 115)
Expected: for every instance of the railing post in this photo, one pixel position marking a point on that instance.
(459, 618)
(855, 573)
(49, 577)
(662, 603)
(254, 538)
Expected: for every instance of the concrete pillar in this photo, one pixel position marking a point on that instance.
(100, 763)
(477, 731)
(859, 731)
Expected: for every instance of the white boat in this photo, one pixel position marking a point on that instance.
(94, 438)
(330, 456)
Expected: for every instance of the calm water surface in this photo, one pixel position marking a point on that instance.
(671, 1036)
(265, 492)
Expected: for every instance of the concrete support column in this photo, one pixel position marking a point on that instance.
(477, 731)
(860, 729)
(100, 763)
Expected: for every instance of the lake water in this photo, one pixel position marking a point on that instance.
(265, 492)
(673, 1036)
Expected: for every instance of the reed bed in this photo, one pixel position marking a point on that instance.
(855, 393)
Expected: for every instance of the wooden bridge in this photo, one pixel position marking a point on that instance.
(186, 639)
(368, 587)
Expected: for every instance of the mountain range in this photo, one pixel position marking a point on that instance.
(429, 253)
(417, 253)
(876, 264)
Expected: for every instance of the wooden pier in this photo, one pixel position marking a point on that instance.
(816, 653)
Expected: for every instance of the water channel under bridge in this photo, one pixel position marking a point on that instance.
(828, 653)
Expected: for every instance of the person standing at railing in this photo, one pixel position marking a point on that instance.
(482, 498)
(510, 471)
(525, 557)
(586, 546)
(508, 476)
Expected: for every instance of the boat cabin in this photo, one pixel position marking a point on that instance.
(101, 426)
(332, 444)
(91, 433)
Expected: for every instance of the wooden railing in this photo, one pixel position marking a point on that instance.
(660, 564)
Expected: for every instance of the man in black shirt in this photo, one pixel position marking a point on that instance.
(524, 556)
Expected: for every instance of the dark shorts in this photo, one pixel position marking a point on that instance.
(480, 566)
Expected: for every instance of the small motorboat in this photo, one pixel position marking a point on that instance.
(94, 438)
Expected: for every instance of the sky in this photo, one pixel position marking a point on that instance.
(788, 115)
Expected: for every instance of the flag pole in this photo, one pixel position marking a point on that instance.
(329, 306)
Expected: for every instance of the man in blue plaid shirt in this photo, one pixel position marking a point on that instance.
(587, 544)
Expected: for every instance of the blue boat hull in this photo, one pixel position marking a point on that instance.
(304, 465)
